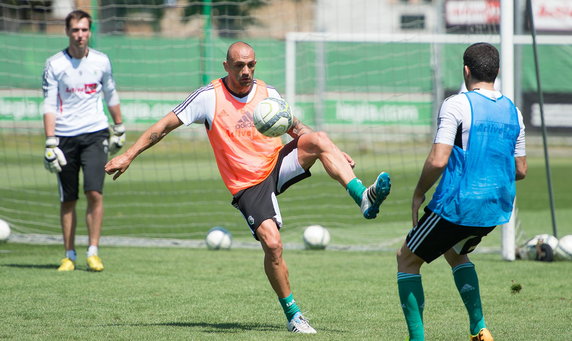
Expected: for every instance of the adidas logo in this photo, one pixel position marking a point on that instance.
(245, 121)
(467, 288)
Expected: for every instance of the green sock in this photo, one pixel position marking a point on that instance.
(355, 189)
(289, 306)
(412, 302)
(467, 283)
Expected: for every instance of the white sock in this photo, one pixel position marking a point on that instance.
(92, 250)
(71, 254)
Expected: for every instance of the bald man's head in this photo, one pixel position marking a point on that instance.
(239, 64)
(237, 47)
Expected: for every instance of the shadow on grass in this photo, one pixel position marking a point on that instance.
(32, 266)
(209, 327)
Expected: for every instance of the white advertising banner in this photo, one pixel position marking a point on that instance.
(552, 15)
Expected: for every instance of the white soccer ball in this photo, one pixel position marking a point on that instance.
(272, 117)
(4, 230)
(564, 249)
(545, 238)
(218, 238)
(529, 250)
(316, 237)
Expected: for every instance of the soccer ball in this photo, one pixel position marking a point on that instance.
(272, 117)
(544, 238)
(540, 247)
(4, 230)
(564, 249)
(218, 238)
(316, 237)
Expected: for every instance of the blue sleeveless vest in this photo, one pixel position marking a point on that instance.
(478, 186)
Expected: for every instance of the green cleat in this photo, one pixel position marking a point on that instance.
(374, 195)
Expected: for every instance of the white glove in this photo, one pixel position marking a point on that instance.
(117, 138)
(54, 158)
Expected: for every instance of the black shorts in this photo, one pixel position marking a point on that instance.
(433, 236)
(87, 152)
(258, 203)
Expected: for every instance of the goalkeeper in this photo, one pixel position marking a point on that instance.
(77, 132)
(479, 152)
(256, 168)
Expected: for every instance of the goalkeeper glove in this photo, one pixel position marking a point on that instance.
(54, 158)
(117, 138)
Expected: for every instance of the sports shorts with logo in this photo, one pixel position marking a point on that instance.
(258, 203)
(433, 236)
(87, 152)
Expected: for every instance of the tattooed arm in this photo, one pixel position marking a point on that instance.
(119, 164)
(298, 128)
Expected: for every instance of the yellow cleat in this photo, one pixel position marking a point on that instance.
(66, 264)
(483, 335)
(94, 263)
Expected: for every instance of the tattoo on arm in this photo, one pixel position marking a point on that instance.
(154, 138)
(298, 128)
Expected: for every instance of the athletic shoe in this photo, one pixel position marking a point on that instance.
(374, 195)
(483, 335)
(66, 264)
(299, 324)
(94, 263)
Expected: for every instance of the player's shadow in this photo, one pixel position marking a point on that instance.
(32, 266)
(213, 327)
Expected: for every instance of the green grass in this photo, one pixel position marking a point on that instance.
(196, 294)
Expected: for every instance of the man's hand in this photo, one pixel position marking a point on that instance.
(54, 158)
(117, 138)
(118, 165)
(416, 203)
(351, 162)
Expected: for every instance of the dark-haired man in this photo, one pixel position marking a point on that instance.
(479, 152)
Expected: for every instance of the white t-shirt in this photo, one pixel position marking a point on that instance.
(456, 112)
(199, 107)
(73, 89)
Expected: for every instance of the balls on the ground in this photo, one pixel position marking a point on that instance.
(4, 230)
(543, 238)
(316, 237)
(272, 117)
(540, 247)
(218, 238)
(564, 248)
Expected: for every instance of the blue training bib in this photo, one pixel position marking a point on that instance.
(478, 186)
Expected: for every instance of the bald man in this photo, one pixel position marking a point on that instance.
(256, 168)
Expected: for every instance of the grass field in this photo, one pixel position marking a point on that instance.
(196, 294)
(174, 191)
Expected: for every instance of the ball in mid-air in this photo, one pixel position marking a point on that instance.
(272, 117)
(218, 238)
(4, 230)
(316, 237)
(564, 249)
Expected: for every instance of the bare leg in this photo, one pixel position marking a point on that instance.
(68, 221)
(454, 259)
(274, 265)
(317, 145)
(94, 216)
